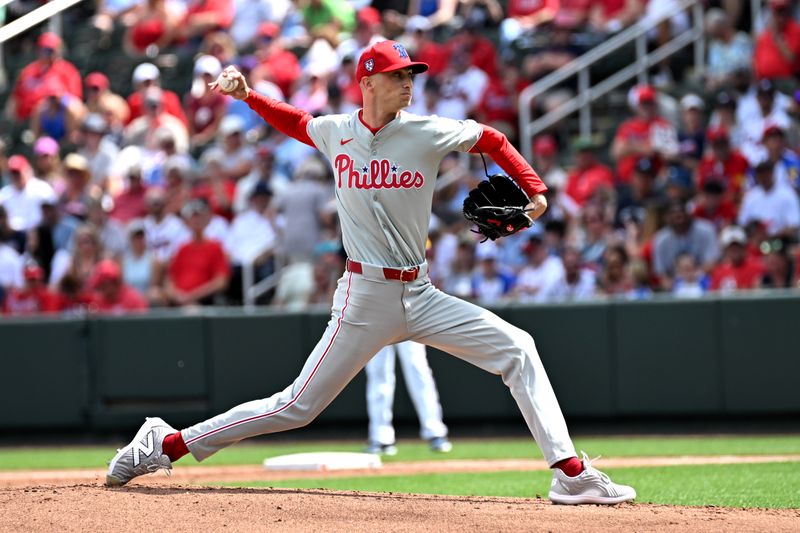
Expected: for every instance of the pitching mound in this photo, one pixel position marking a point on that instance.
(188, 508)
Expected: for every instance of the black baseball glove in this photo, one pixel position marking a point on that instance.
(497, 207)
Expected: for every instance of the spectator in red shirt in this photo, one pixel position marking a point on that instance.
(130, 204)
(34, 298)
(738, 271)
(424, 48)
(588, 175)
(526, 16)
(777, 51)
(276, 64)
(205, 16)
(645, 135)
(110, 294)
(712, 205)
(147, 75)
(481, 51)
(723, 164)
(610, 16)
(199, 271)
(51, 68)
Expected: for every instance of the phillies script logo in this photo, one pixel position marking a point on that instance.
(381, 174)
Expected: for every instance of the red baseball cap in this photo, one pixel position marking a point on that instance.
(97, 79)
(386, 56)
(49, 40)
(544, 146)
(779, 3)
(645, 93)
(369, 16)
(33, 273)
(720, 133)
(268, 29)
(18, 163)
(105, 270)
(773, 129)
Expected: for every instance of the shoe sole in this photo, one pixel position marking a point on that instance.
(566, 499)
(112, 481)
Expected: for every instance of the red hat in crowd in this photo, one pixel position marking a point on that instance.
(772, 129)
(720, 133)
(49, 40)
(33, 273)
(544, 146)
(18, 163)
(369, 16)
(386, 56)
(779, 3)
(105, 270)
(97, 80)
(645, 93)
(269, 29)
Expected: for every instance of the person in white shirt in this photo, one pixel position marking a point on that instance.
(577, 283)
(542, 271)
(164, 232)
(24, 195)
(463, 81)
(11, 267)
(759, 108)
(775, 206)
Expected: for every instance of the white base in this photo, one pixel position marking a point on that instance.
(323, 461)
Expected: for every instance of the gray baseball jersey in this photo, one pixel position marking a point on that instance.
(384, 188)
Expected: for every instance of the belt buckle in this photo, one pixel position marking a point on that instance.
(409, 274)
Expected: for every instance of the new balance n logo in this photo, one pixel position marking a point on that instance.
(146, 447)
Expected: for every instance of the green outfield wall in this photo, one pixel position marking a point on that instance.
(712, 357)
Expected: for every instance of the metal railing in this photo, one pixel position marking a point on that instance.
(588, 93)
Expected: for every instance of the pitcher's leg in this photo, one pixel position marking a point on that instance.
(349, 341)
(380, 395)
(485, 340)
(422, 389)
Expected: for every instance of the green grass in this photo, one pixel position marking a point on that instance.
(773, 485)
(254, 453)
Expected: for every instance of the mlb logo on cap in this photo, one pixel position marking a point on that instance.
(386, 56)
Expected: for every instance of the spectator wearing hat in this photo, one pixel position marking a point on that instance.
(642, 202)
(432, 102)
(145, 131)
(74, 200)
(275, 63)
(762, 106)
(57, 114)
(724, 116)
(540, 274)
(683, 234)
(49, 69)
(199, 271)
(151, 24)
(738, 271)
(147, 75)
(588, 177)
(777, 51)
(776, 207)
(492, 281)
(647, 134)
(140, 269)
(252, 240)
(692, 133)
(728, 49)
(110, 294)
(712, 205)
(23, 197)
(165, 232)
(47, 163)
(723, 164)
(678, 183)
(204, 107)
(100, 152)
(366, 33)
(263, 172)
(100, 99)
(130, 203)
(33, 298)
(249, 16)
(785, 162)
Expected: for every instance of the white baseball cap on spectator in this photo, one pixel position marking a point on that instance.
(231, 124)
(692, 101)
(145, 72)
(207, 64)
(731, 235)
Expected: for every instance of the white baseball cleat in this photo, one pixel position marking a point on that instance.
(590, 486)
(142, 456)
(381, 449)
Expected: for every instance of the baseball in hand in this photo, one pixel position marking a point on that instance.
(228, 85)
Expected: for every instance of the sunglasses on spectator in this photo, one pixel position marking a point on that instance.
(771, 246)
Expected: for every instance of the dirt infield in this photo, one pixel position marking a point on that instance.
(77, 501)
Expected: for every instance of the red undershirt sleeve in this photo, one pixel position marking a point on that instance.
(496, 145)
(283, 117)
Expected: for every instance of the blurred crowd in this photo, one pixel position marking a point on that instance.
(123, 202)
